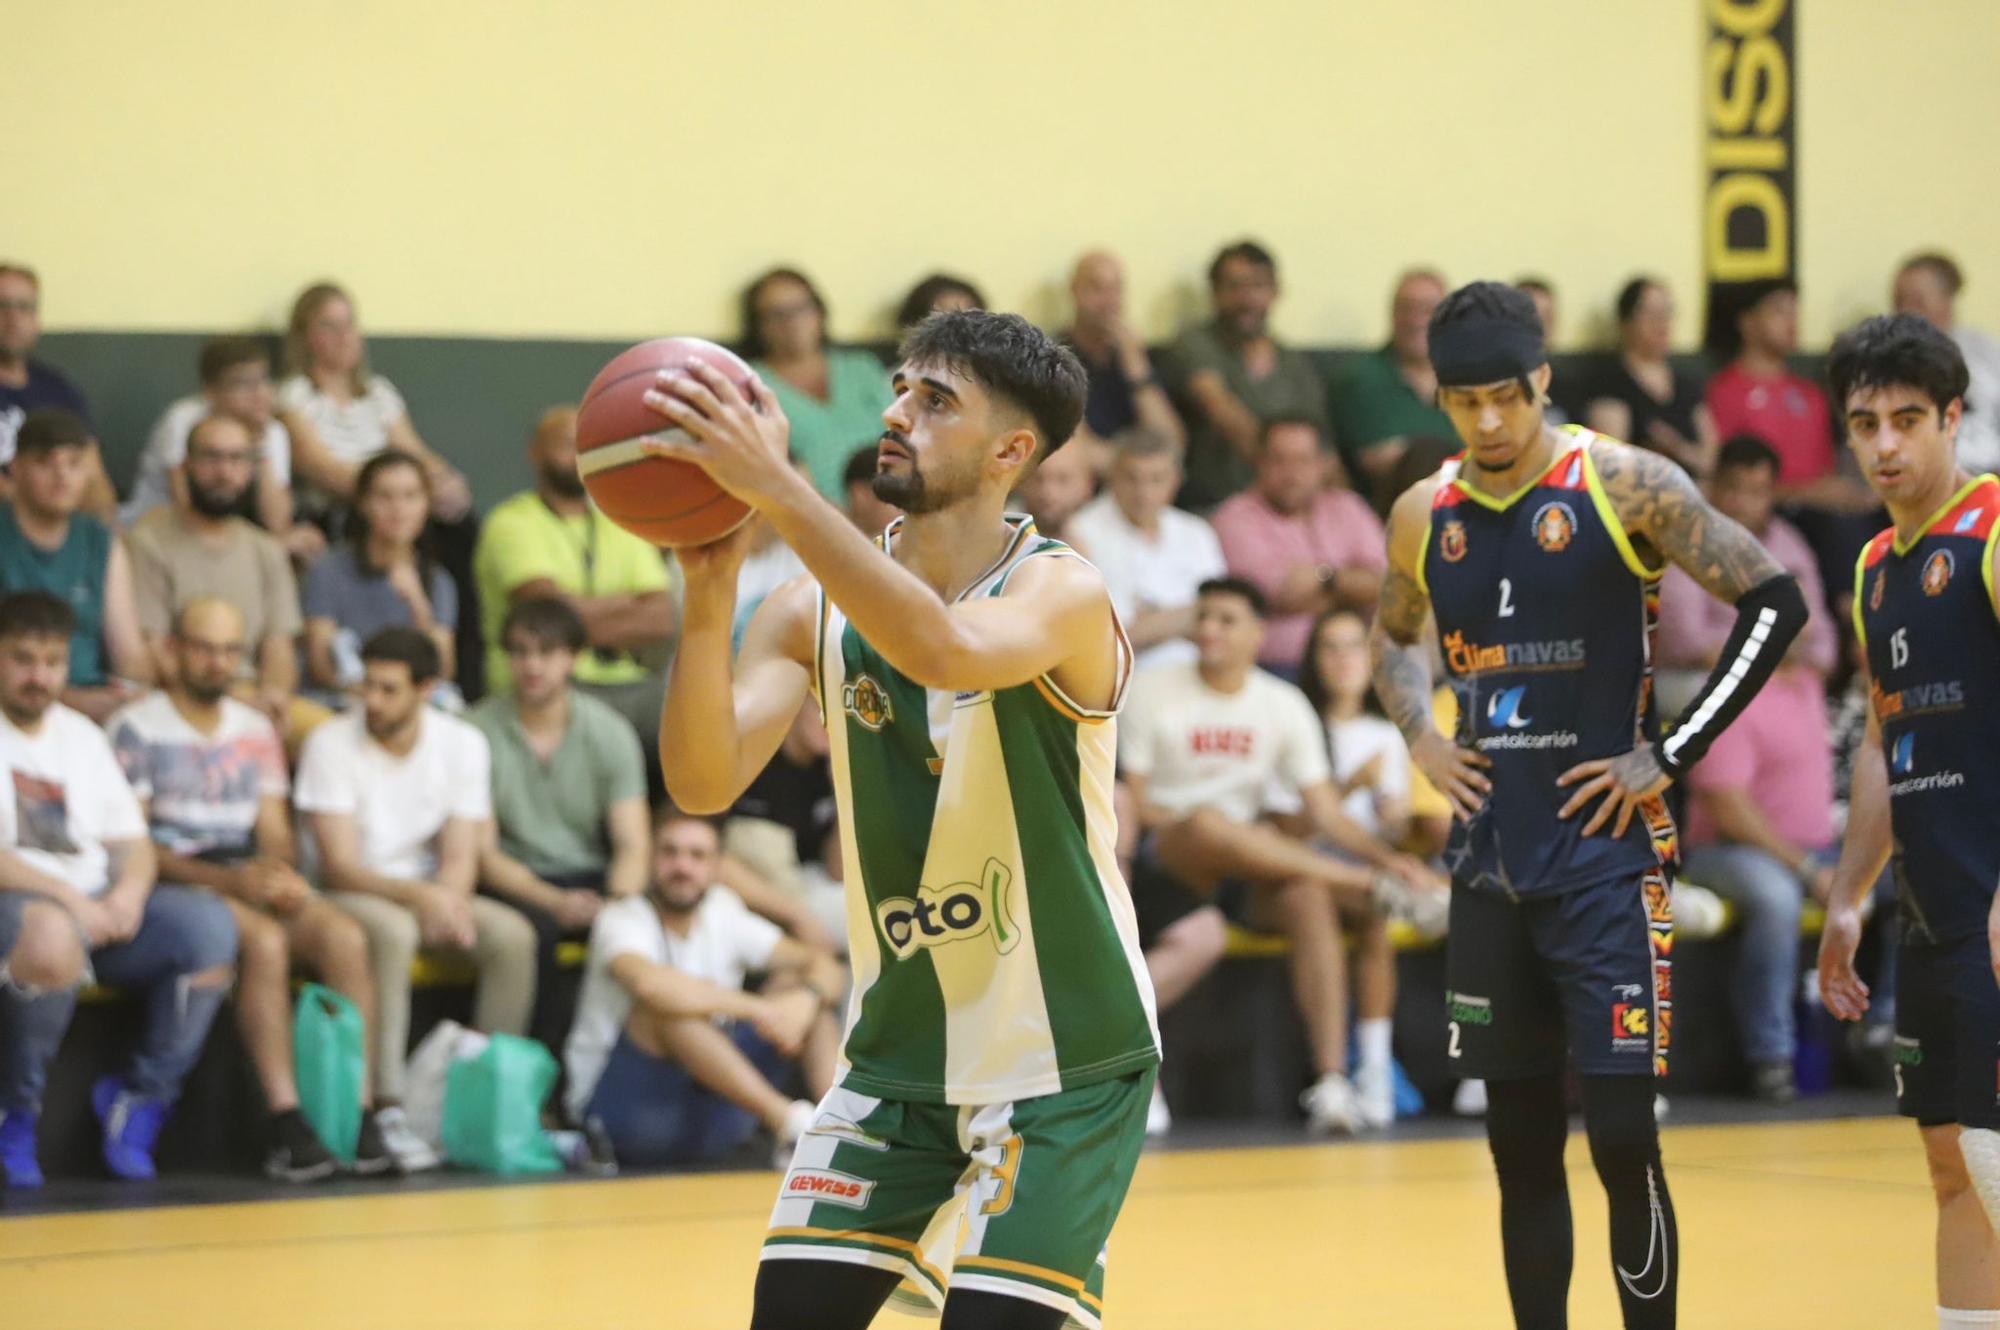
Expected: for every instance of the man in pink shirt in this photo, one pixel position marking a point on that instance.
(1760, 811)
(1302, 537)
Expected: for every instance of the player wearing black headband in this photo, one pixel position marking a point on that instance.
(1539, 553)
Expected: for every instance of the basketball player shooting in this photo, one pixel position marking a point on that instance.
(1001, 1045)
(1539, 553)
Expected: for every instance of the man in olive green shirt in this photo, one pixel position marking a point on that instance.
(1233, 376)
(569, 825)
(1383, 400)
(551, 542)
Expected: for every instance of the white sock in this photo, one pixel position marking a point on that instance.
(1951, 1319)
(1980, 1147)
(1371, 1042)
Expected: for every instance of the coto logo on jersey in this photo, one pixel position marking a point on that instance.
(1937, 572)
(868, 702)
(829, 1187)
(1875, 592)
(939, 916)
(1555, 526)
(1503, 709)
(1451, 543)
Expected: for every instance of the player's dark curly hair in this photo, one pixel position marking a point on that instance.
(1490, 300)
(1896, 349)
(1010, 358)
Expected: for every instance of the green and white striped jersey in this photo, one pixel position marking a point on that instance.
(995, 952)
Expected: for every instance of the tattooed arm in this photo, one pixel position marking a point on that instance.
(1402, 659)
(1660, 508)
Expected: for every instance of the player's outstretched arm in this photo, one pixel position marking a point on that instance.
(723, 720)
(1863, 852)
(1402, 660)
(1658, 503)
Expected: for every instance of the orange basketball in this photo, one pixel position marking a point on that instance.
(656, 498)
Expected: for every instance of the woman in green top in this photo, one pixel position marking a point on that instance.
(834, 396)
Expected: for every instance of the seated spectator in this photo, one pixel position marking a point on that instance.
(210, 774)
(199, 549)
(1201, 747)
(1543, 293)
(1927, 285)
(383, 577)
(1371, 769)
(1303, 538)
(784, 831)
(76, 876)
(939, 293)
(868, 513)
(1060, 484)
(1383, 400)
(1234, 376)
(1152, 554)
(1638, 396)
(569, 793)
(46, 544)
(669, 1054)
(1125, 389)
(353, 413)
(235, 382)
(552, 541)
(396, 796)
(28, 385)
(1760, 826)
(834, 396)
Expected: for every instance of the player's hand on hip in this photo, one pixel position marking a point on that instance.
(1455, 771)
(1840, 988)
(741, 442)
(1625, 782)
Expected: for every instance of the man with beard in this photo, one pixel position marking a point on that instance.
(551, 542)
(1001, 1047)
(203, 548)
(669, 1053)
(210, 773)
(1234, 376)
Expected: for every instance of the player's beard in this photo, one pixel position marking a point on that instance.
(914, 492)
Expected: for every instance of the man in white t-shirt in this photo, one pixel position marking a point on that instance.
(76, 871)
(1204, 747)
(669, 1054)
(397, 797)
(1152, 554)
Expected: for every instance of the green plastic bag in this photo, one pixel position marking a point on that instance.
(330, 1050)
(493, 1109)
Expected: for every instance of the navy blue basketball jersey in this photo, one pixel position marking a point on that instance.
(1545, 614)
(1926, 613)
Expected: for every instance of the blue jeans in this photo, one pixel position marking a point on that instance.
(1770, 898)
(656, 1113)
(182, 933)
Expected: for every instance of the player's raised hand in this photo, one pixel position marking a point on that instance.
(1625, 782)
(741, 442)
(1840, 988)
(1456, 771)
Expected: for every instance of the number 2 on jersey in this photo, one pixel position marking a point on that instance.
(1506, 597)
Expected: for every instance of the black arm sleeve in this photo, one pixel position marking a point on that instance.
(1768, 617)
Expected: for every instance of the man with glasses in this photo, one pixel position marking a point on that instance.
(203, 547)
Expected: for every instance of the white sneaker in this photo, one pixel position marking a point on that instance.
(798, 1121)
(411, 1152)
(1158, 1120)
(1469, 1100)
(1331, 1106)
(1375, 1095)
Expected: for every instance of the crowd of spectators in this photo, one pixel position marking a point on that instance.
(241, 711)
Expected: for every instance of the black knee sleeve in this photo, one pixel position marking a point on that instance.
(819, 1295)
(969, 1309)
(1645, 1244)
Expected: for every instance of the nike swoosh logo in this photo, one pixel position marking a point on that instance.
(1656, 1247)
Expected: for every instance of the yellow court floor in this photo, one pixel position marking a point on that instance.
(1824, 1225)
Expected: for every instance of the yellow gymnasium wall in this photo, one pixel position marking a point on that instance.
(618, 167)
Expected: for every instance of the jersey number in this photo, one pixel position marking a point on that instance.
(1506, 597)
(1453, 1050)
(1899, 648)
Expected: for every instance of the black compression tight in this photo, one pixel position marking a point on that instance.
(1527, 1124)
(834, 1295)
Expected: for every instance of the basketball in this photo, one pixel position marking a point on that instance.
(659, 499)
